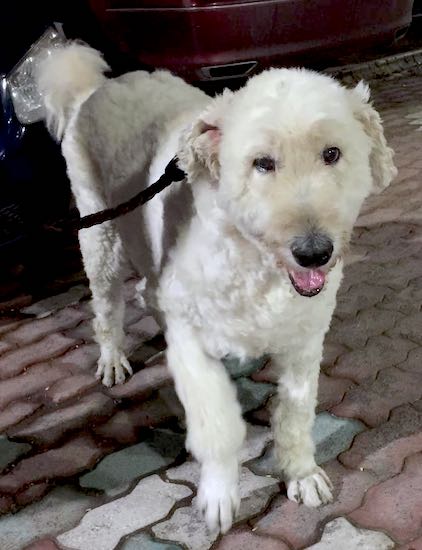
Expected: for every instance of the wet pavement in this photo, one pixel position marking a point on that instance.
(86, 467)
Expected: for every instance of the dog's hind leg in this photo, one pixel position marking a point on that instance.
(292, 424)
(104, 263)
(216, 429)
(103, 258)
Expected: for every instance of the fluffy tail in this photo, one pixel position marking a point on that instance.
(65, 79)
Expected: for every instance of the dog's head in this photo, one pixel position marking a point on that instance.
(292, 156)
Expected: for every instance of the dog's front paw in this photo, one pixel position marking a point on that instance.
(312, 490)
(112, 370)
(218, 495)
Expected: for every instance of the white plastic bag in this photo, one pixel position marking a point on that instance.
(21, 80)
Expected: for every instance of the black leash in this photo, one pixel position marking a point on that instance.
(171, 174)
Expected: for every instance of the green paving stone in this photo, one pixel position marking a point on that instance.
(59, 511)
(10, 451)
(115, 472)
(142, 541)
(253, 394)
(238, 368)
(332, 435)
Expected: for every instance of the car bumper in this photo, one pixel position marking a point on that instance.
(209, 40)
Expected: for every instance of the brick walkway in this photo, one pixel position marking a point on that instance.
(84, 467)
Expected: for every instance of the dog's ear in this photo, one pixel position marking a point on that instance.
(381, 159)
(200, 143)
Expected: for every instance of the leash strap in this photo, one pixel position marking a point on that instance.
(171, 174)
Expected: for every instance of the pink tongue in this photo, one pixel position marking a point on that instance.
(308, 280)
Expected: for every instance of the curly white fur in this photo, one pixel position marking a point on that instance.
(217, 263)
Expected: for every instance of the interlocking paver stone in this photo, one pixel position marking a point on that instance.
(34, 492)
(331, 391)
(383, 215)
(35, 330)
(60, 510)
(14, 362)
(268, 373)
(187, 525)
(413, 545)
(50, 427)
(142, 383)
(73, 457)
(10, 451)
(103, 527)
(410, 327)
(379, 353)
(339, 533)
(5, 346)
(188, 471)
(373, 402)
(355, 332)
(84, 357)
(298, 525)
(116, 471)
(44, 544)
(255, 493)
(145, 329)
(16, 412)
(331, 436)
(146, 354)
(125, 425)
(145, 542)
(362, 296)
(238, 368)
(382, 235)
(70, 387)
(395, 505)
(257, 438)
(397, 277)
(245, 539)
(54, 303)
(253, 394)
(413, 362)
(383, 450)
(133, 313)
(6, 504)
(83, 332)
(36, 379)
(407, 300)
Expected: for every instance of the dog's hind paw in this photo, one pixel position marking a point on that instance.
(313, 490)
(218, 497)
(114, 369)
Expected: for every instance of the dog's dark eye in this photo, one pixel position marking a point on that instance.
(264, 164)
(331, 155)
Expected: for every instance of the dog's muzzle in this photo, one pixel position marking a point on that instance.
(310, 252)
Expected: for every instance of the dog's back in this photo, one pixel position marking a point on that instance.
(113, 129)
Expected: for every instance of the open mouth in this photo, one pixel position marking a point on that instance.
(308, 283)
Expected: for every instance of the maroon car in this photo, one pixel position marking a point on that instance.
(214, 39)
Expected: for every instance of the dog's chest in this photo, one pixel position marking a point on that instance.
(265, 319)
(243, 308)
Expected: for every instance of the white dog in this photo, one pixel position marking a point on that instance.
(244, 258)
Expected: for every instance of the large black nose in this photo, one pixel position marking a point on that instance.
(312, 250)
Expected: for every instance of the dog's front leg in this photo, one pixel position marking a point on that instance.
(292, 424)
(216, 429)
